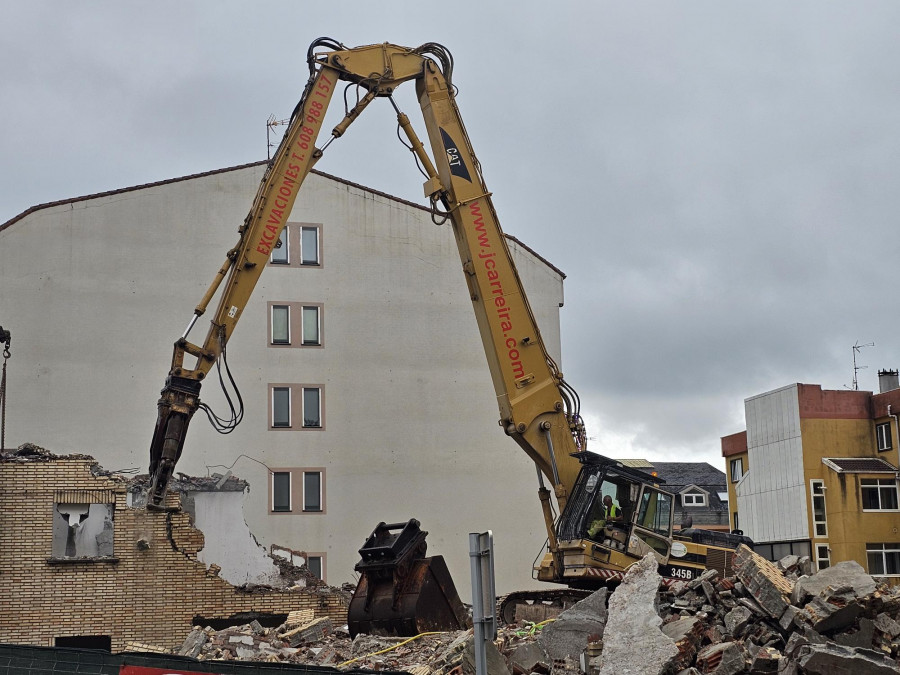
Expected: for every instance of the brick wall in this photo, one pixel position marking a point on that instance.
(144, 594)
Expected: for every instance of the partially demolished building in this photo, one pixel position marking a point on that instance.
(83, 568)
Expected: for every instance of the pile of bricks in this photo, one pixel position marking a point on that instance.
(779, 618)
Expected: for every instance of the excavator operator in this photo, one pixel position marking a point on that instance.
(610, 514)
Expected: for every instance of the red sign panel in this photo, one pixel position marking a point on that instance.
(142, 670)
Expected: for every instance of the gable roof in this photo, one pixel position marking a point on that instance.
(682, 474)
(97, 195)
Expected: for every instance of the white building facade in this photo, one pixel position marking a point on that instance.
(775, 483)
(366, 390)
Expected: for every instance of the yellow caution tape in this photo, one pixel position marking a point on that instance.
(399, 644)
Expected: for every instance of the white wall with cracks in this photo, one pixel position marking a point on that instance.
(229, 542)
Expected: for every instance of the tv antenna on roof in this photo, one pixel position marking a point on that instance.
(857, 368)
(271, 123)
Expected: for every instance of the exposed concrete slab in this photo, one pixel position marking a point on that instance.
(634, 624)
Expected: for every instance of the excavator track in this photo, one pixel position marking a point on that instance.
(537, 606)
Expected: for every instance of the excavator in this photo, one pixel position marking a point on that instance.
(538, 408)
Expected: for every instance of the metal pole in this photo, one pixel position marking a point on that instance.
(484, 622)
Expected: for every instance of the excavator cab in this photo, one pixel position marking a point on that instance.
(646, 510)
(401, 592)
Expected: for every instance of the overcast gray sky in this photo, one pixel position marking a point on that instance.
(717, 179)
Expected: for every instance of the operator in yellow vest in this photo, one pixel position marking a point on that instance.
(611, 514)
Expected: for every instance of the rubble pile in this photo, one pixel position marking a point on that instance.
(782, 618)
(319, 642)
(766, 618)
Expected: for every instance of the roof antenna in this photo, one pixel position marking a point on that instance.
(271, 123)
(857, 368)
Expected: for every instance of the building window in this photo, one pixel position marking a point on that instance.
(883, 435)
(303, 487)
(312, 490)
(312, 407)
(281, 407)
(296, 406)
(280, 255)
(281, 491)
(83, 531)
(311, 331)
(878, 494)
(309, 245)
(281, 325)
(737, 469)
(883, 559)
(734, 520)
(316, 565)
(287, 320)
(823, 556)
(817, 492)
(693, 499)
(774, 552)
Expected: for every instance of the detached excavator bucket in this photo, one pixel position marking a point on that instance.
(401, 592)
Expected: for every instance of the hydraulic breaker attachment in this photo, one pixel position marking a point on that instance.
(178, 401)
(401, 592)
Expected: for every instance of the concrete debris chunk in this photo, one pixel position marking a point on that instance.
(765, 660)
(843, 574)
(193, 643)
(709, 591)
(686, 633)
(634, 623)
(861, 638)
(788, 563)
(887, 626)
(789, 618)
(833, 609)
(569, 635)
(737, 620)
(496, 664)
(310, 632)
(726, 658)
(833, 659)
(794, 644)
(765, 582)
(528, 658)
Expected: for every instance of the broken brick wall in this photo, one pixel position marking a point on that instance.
(148, 587)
